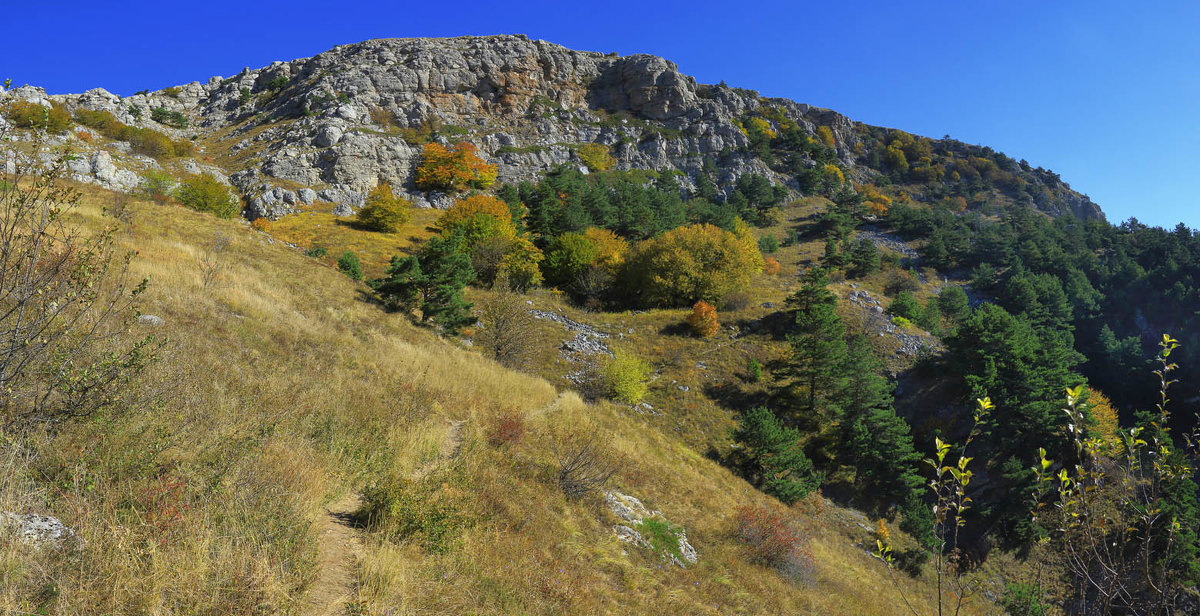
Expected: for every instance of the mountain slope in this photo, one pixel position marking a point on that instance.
(280, 391)
(344, 120)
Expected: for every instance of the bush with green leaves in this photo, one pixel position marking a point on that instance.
(157, 185)
(768, 244)
(906, 306)
(205, 193)
(349, 264)
(164, 116)
(627, 377)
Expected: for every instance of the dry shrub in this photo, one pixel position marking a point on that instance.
(584, 465)
(736, 301)
(776, 541)
(507, 427)
(510, 334)
(900, 280)
(703, 319)
(771, 266)
(261, 224)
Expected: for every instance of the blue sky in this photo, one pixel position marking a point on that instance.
(1103, 93)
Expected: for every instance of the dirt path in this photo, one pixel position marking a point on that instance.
(446, 452)
(341, 542)
(337, 557)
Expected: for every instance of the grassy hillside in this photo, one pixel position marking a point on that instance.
(282, 392)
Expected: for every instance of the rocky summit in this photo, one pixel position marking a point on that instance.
(330, 127)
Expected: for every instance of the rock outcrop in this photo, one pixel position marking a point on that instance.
(339, 123)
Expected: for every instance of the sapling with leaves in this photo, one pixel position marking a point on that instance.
(951, 503)
(1122, 516)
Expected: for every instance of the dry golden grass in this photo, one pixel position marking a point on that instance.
(281, 388)
(317, 226)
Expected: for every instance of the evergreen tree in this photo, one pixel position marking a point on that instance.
(864, 256)
(876, 441)
(446, 269)
(771, 457)
(818, 347)
(400, 287)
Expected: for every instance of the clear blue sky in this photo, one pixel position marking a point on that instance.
(1105, 93)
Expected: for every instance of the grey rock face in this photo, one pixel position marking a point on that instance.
(36, 529)
(357, 115)
(632, 512)
(150, 320)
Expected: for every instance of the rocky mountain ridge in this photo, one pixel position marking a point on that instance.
(330, 127)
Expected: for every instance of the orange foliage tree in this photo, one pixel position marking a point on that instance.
(468, 207)
(703, 319)
(455, 168)
(771, 266)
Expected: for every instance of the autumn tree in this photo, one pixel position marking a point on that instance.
(491, 240)
(384, 211)
(596, 156)
(697, 262)
(585, 264)
(703, 319)
(455, 168)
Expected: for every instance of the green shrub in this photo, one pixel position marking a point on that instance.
(350, 264)
(315, 252)
(385, 211)
(157, 185)
(906, 306)
(205, 193)
(663, 537)
(26, 114)
(278, 83)
(1023, 599)
(754, 370)
(768, 244)
(627, 377)
(418, 511)
(902, 322)
(167, 117)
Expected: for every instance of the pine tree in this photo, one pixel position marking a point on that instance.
(771, 457)
(875, 440)
(446, 269)
(818, 346)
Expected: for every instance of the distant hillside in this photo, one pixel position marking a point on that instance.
(344, 120)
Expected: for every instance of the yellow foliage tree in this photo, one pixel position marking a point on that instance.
(833, 174)
(384, 211)
(610, 247)
(691, 263)
(468, 207)
(876, 201)
(596, 156)
(825, 134)
(760, 126)
(1105, 416)
(455, 168)
(703, 319)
